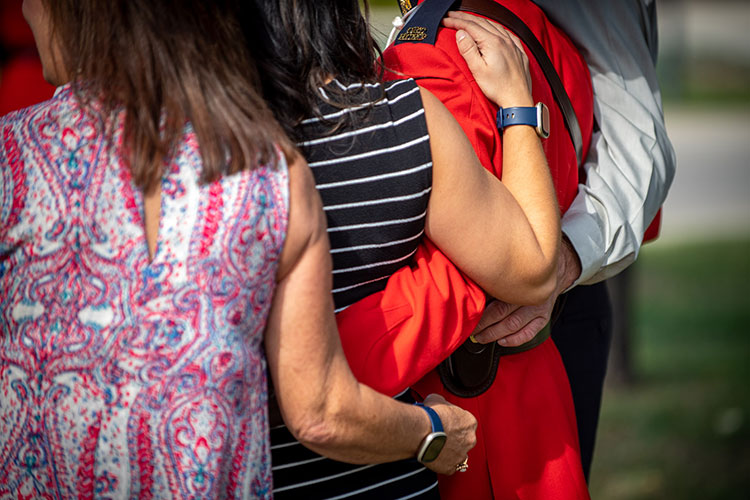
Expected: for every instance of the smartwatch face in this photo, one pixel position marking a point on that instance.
(434, 447)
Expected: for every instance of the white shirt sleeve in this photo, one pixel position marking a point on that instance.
(631, 162)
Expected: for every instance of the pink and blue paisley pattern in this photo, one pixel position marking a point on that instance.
(122, 377)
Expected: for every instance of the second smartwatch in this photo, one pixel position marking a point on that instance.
(433, 443)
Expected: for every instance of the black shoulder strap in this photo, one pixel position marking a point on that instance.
(502, 15)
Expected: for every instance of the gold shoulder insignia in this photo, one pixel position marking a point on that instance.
(405, 6)
(413, 34)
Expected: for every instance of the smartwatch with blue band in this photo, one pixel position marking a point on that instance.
(433, 443)
(536, 116)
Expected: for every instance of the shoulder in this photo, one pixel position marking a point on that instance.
(306, 223)
(439, 68)
(403, 98)
(424, 60)
(60, 109)
(18, 128)
(16, 119)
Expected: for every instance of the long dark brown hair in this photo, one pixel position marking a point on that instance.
(167, 62)
(300, 44)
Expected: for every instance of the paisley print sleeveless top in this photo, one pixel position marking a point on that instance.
(122, 377)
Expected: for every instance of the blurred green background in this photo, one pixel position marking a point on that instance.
(674, 422)
(678, 429)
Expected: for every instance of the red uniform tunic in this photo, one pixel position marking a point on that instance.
(527, 442)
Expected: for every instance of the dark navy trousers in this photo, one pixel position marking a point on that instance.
(582, 334)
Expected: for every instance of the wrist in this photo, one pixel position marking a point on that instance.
(506, 97)
(536, 116)
(515, 102)
(569, 269)
(433, 443)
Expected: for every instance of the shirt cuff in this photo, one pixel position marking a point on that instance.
(585, 235)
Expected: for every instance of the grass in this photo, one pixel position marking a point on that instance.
(682, 430)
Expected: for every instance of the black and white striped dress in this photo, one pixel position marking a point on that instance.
(374, 176)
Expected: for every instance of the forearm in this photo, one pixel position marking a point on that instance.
(506, 244)
(527, 177)
(358, 425)
(499, 66)
(321, 402)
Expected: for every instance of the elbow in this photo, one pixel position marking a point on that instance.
(316, 433)
(543, 277)
(538, 285)
(527, 285)
(316, 428)
(541, 290)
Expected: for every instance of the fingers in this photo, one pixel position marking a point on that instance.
(480, 30)
(494, 312)
(525, 334)
(479, 27)
(460, 427)
(435, 399)
(496, 58)
(469, 50)
(525, 321)
(476, 24)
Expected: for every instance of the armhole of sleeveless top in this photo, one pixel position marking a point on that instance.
(281, 187)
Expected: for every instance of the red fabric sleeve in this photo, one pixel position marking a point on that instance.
(394, 337)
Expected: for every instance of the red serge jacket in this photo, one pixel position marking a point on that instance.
(393, 338)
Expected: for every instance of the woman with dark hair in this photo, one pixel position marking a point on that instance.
(392, 165)
(156, 229)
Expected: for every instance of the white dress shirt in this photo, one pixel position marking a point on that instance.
(631, 162)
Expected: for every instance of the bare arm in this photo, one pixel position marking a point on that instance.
(322, 403)
(505, 235)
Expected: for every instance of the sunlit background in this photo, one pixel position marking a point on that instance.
(676, 414)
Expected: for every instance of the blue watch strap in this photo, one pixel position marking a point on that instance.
(437, 424)
(521, 115)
